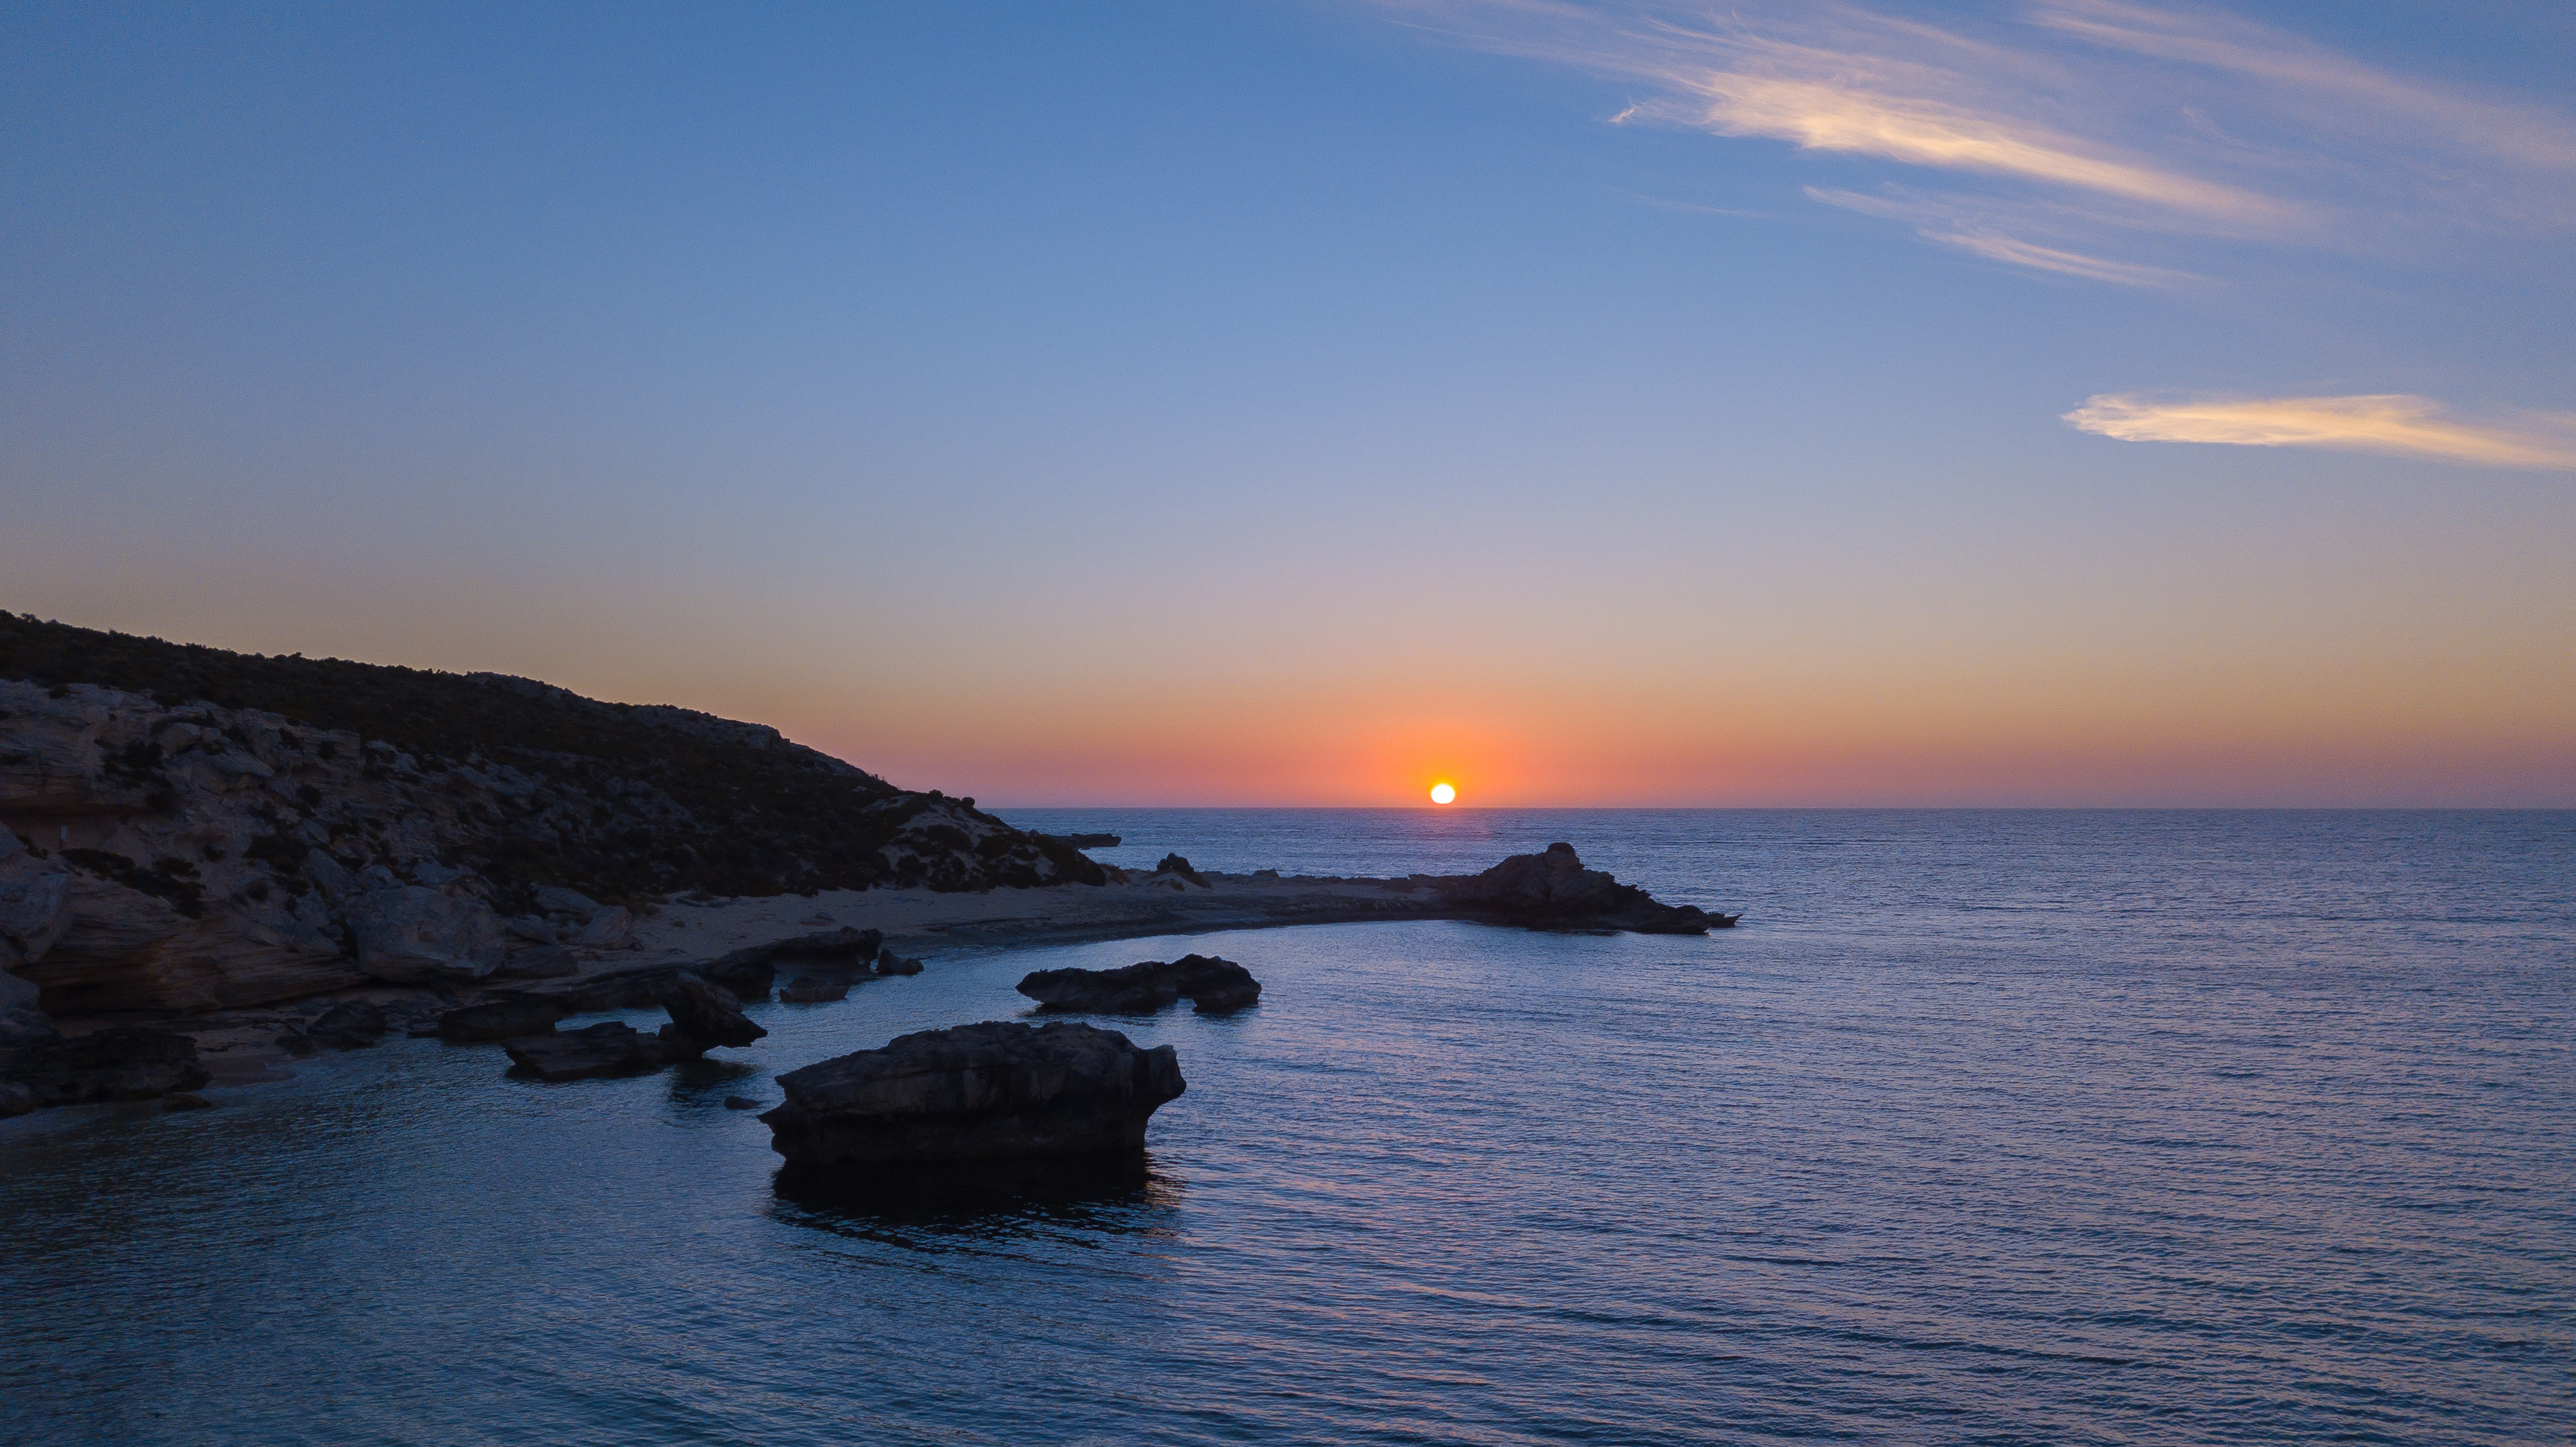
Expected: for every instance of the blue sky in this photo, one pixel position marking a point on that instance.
(1278, 402)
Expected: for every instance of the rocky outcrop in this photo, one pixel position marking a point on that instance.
(546, 962)
(750, 972)
(213, 830)
(974, 1093)
(813, 990)
(35, 910)
(500, 1020)
(593, 1052)
(42, 1067)
(890, 963)
(350, 1025)
(1084, 841)
(415, 935)
(1554, 891)
(1176, 866)
(1214, 985)
(703, 1016)
(708, 1014)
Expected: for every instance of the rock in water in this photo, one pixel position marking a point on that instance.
(122, 1063)
(708, 1014)
(1214, 985)
(811, 990)
(1554, 891)
(750, 972)
(354, 1025)
(890, 963)
(586, 1054)
(984, 1092)
(500, 1020)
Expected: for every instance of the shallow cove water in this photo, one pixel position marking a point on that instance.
(2016, 1127)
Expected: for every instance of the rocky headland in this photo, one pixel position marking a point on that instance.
(254, 858)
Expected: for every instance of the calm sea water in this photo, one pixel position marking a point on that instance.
(2049, 1128)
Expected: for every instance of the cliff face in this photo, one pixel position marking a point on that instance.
(196, 829)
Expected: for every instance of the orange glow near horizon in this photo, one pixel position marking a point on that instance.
(1443, 793)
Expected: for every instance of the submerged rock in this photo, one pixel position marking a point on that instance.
(500, 1020)
(1212, 984)
(595, 1051)
(994, 1091)
(1554, 891)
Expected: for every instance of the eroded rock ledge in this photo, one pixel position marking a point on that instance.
(1214, 986)
(994, 1091)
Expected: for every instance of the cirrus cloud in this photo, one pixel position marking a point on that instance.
(2395, 424)
(2075, 130)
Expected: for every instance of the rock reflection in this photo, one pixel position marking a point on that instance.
(937, 1207)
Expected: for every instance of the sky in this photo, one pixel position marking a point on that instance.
(2072, 402)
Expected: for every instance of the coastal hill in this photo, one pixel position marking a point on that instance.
(187, 827)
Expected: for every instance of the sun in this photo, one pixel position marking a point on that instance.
(1442, 793)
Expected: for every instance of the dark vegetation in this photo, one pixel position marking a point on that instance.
(628, 800)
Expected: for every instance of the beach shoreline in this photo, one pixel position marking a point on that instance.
(240, 1046)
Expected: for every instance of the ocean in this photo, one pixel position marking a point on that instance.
(2044, 1127)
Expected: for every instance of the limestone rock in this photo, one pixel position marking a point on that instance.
(122, 1063)
(994, 1091)
(411, 934)
(500, 1020)
(610, 929)
(890, 963)
(1214, 985)
(597, 1051)
(35, 904)
(707, 1013)
(554, 899)
(546, 962)
(354, 1025)
(1174, 864)
(813, 990)
(749, 973)
(1554, 891)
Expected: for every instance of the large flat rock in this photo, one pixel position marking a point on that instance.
(989, 1092)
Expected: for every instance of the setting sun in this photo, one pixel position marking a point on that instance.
(1442, 793)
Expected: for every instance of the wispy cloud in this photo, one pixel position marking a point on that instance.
(2200, 36)
(1969, 230)
(2077, 131)
(2395, 424)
